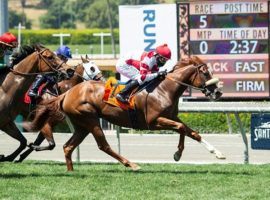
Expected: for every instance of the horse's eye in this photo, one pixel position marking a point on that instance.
(50, 57)
(92, 69)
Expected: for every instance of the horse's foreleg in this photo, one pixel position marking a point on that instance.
(12, 130)
(180, 127)
(40, 138)
(104, 146)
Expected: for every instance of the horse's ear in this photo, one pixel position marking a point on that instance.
(38, 47)
(84, 60)
(196, 60)
(86, 56)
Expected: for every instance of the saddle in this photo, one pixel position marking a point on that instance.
(112, 88)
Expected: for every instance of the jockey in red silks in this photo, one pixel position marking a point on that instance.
(7, 43)
(142, 70)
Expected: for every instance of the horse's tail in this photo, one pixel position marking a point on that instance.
(46, 110)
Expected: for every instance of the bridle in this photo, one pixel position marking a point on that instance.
(41, 57)
(189, 85)
(95, 78)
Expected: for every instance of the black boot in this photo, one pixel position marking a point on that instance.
(123, 96)
(33, 92)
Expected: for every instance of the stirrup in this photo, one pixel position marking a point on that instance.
(32, 94)
(120, 98)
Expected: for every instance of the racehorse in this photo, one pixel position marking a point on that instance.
(14, 84)
(156, 109)
(85, 71)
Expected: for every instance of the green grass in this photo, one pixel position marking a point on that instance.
(85, 49)
(49, 180)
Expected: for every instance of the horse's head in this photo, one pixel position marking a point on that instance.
(91, 70)
(203, 79)
(48, 61)
(193, 72)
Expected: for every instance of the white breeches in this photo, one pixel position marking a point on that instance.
(126, 70)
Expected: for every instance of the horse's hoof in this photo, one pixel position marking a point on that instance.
(177, 156)
(219, 155)
(135, 167)
(34, 147)
(5, 159)
(2, 158)
(31, 145)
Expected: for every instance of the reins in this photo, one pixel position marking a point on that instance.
(185, 84)
(30, 74)
(39, 73)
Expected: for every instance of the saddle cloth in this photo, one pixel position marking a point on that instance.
(112, 88)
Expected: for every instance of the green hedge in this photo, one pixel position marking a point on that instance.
(214, 122)
(201, 122)
(207, 123)
(84, 36)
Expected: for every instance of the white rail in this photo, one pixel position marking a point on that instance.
(228, 107)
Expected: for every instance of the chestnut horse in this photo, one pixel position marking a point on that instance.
(156, 109)
(34, 60)
(85, 71)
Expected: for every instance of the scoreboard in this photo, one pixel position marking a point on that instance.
(232, 37)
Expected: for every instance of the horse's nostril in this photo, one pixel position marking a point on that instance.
(218, 94)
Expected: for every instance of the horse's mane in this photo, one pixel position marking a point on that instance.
(22, 53)
(195, 60)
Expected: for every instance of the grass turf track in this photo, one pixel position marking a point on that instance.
(49, 180)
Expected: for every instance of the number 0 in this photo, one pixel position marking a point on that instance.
(203, 47)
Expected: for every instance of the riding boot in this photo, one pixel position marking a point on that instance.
(123, 96)
(33, 92)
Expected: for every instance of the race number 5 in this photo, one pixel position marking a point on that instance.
(203, 22)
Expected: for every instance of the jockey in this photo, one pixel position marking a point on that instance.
(64, 53)
(143, 70)
(7, 43)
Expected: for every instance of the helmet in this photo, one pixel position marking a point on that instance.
(164, 51)
(64, 51)
(8, 39)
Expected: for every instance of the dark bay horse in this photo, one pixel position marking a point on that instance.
(34, 60)
(85, 71)
(156, 109)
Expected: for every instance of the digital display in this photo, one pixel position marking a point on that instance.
(232, 37)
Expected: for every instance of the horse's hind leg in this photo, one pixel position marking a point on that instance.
(104, 146)
(181, 145)
(182, 129)
(11, 129)
(46, 132)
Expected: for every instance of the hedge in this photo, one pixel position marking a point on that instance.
(214, 122)
(84, 36)
(201, 122)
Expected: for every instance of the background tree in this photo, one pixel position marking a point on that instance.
(96, 15)
(23, 3)
(60, 15)
(16, 18)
